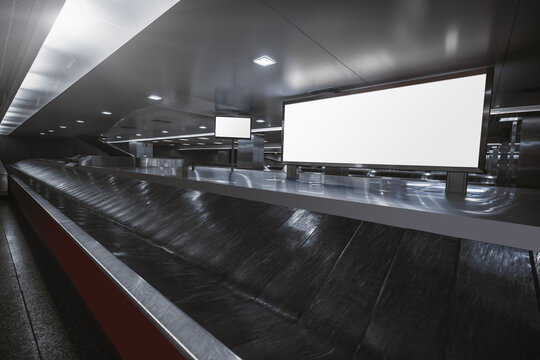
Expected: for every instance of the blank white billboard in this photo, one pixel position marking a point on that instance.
(434, 124)
(233, 127)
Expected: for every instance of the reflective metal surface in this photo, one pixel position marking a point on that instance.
(275, 282)
(3, 181)
(115, 161)
(250, 153)
(528, 169)
(508, 216)
(187, 336)
(42, 316)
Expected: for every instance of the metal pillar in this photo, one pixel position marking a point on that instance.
(292, 171)
(456, 182)
(232, 155)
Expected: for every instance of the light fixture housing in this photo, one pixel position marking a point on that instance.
(63, 127)
(138, 134)
(202, 127)
(105, 112)
(264, 61)
(164, 132)
(80, 121)
(260, 120)
(154, 97)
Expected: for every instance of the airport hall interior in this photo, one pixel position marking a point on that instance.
(270, 179)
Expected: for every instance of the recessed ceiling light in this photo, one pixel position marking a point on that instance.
(183, 139)
(164, 131)
(138, 134)
(118, 137)
(218, 142)
(260, 121)
(167, 140)
(155, 97)
(51, 131)
(80, 121)
(201, 144)
(186, 144)
(155, 141)
(265, 141)
(203, 138)
(41, 133)
(63, 127)
(202, 127)
(264, 61)
(106, 113)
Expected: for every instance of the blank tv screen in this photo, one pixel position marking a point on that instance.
(233, 127)
(435, 124)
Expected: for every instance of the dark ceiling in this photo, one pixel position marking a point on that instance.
(198, 57)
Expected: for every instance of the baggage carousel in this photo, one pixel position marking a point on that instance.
(274, 282)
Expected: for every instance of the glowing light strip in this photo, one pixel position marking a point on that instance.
(85, 33)
(260, 130)
(160, 138)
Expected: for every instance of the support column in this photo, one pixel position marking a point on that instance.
(292, 171)
(456, 182)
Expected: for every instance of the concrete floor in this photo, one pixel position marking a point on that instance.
(42, 316)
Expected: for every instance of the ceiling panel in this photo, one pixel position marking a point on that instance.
(198, 57)
(520, 80)
(391, 40)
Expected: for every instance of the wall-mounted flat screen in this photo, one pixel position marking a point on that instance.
(435, 124)
(233, 127)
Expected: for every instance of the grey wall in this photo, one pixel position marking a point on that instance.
(15, 148)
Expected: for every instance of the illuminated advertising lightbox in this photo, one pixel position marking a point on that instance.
(437, 125)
